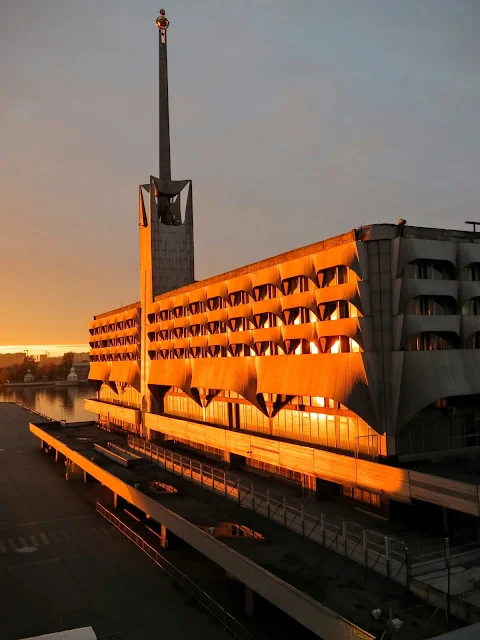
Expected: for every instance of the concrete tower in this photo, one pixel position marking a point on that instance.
(165, 214)
(165, 220)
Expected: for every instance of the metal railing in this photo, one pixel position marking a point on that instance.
(459, 549)
(227, 621)
(382, 554)
(38, 413)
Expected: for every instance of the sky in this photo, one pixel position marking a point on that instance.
(296, 121)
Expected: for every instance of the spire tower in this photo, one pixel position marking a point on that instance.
(165, 172)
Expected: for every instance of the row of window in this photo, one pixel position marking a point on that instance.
(329, 311)
(113, 326)
(441, 306)
(114, 342)
(113, 357)
(440, 270)
(345, 432)
(326, 278)
(438, 341)
(333, 344)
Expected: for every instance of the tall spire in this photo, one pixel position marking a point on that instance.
(163, 115)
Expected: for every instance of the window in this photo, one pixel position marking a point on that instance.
(197, 352)
(471, 308)
(472, 272)
(266, 348)
(197, 330)
(238, 297)
(264, 292)
(196, 307)
(216, 303)
(342, 344)
(430, 306)
(241, 350)
(266, 320)
(473, 341)
(298, 284)
(335, 310)
(216, 327)
(238, 324)
(333, 276)
(429, 270)
(430, 341)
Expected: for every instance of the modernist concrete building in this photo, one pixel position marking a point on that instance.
(336, 365)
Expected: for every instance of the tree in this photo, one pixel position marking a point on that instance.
(66, 365)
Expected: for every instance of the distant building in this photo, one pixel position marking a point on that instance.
(81, 369)
(81, 357)
(11, 359)
(72, 376)
(29, 377)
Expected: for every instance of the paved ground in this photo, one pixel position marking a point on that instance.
(340, 584)
(62, 567)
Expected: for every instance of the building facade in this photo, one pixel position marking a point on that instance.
(334, 365)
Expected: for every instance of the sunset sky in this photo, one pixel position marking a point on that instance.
(295, 120)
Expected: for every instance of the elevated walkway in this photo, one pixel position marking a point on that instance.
(76, 445)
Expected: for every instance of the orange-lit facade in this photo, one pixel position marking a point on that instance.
(361, 348)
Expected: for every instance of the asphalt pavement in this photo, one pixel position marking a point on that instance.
(62, 566)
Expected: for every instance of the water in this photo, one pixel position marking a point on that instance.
(60, 403)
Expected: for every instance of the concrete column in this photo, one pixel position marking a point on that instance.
(249, 597)
(226, 459)
(73, 471)
(308, 486)
(163, 537)
(237, 461)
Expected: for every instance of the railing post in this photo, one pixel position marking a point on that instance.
(302, 518)
(165, 458)
(284, 511)
(225, 483)
(387, 556)
(238, 490)
(323, 528)
(447, 563)
(268, 504)
(191, 471)
(181, 466)
(213, 479)
(344, 534)
(365, 548)
(253, 496)
(407, 569)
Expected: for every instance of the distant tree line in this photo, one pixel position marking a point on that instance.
(40, 370)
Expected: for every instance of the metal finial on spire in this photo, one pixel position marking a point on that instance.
(162, 21)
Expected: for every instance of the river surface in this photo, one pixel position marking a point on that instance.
(60, 403)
